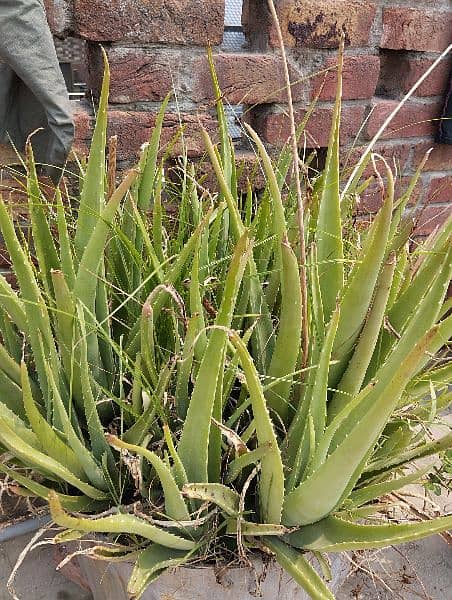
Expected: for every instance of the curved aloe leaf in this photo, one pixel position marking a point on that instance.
(120, 523)
(323, 492)
(174, 503)
(93, 191)
(355, 373)
(288, 340)
(328, 235)
(337, 535)
(221, 495)
(33, 457)
(151, 562)
(47, 436)
(299, 568)
(194, 442)
(271, 484)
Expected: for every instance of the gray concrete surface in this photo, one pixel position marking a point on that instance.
(37, 578)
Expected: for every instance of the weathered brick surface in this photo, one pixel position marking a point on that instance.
(413, 120)
(59, 16)
(371, 199)
(440, 190)
(136, 74)
(407, 28)
(275, 127)
(320, 24)
(246, 79)
(397, 155)
(134, 129)
(150, 21)
(431, 217)
(440, 158)
(400, 73)
(360, 76)
(83, 130)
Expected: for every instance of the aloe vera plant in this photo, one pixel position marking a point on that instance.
(154, 370)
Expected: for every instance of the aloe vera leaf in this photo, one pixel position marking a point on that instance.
(171, 278)
(174, 502)
(325, 489)
(376, 490)
(147, 179)
(11, 395)
(42, 236)
(87, 275)
(180, 475)
(263, 336)
(354, 375)
(157, 217)
(33, 457)
(194, 442)
(220, 495)
(17, 424)
(360, 286)
(66, 257)
(316, 295)
(337, 535)
(140, 429)
(196, 307)
(439, 377)
(46, 435)
(93, 190)
(255, 529)
(288, 340)
(90, 466)
(12, 305)
(215, 449)
(37, 317)
(9, 366)
(120, 523)
(74, 503)
(271, 484)
(328, 235)
(299, 568)
(99, 446)
(237, 465)
(319, 392)
(429, 449)
(184, 369)
(65, 329)
(150, 563)
(407, 302)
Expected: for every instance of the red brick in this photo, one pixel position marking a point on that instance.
(151, 21)
(318, 24)
(371, 199)
(136, 74)
(399, 74)
(430, 218)
(246, 79)
(275, 127)
(440, 190)
(440, 158)
(412, 29)
(360, 77)
(59, 16)
(134, 129)
(248, 169)
(396, 154)
(83, 130)
(412, 120)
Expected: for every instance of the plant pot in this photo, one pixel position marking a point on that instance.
(266, 580)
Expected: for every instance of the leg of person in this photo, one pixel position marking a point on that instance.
(26, 46)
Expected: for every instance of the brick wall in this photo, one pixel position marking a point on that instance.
(156, 45)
